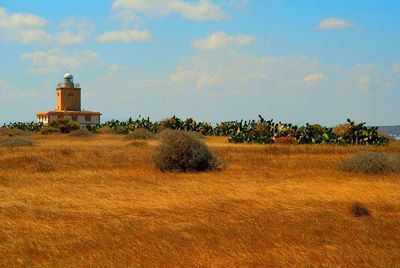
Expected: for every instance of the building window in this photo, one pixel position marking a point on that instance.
(74, 118)
(88, 118)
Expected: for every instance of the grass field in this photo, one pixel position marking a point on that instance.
(99, 202)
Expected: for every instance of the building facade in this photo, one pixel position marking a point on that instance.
(68, 105)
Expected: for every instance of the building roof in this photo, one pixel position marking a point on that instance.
(68, 75)
(69, 113)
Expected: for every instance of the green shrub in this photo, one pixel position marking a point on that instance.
(180, 152)
(17, 142)
(370, 163)
(49, 130)
(81, 133)
(140, 134)
(65, 125)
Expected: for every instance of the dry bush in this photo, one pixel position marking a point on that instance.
(196, 134)
(105, 130)
(4, 131)
(140, 134)
(181, 152)
(369, 163)
(341, 130)
(81, 133)
(43, 164)
(285, 140)
(359, 210)
(13, 132)
(17, 142)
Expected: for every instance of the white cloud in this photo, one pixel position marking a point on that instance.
(58, 60)
(126, 36)
(234, 71)
(18, 20)
(199, 10)
(314, 77)
(30, 36)
(74, 31)
(365, 81)
(127, 18)
(221, 40)
(22, 28)
(334, 24)
(395, 70)
(30, 29)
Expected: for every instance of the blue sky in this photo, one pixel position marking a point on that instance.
(295, 61)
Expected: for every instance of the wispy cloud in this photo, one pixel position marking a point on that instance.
(313, 78)
(221, 40)
(199, 10)
(334, 24)
(126, 36)
(59, 60)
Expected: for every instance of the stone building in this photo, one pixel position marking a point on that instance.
(68, 105)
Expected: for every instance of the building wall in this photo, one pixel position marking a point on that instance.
(68, 99)
(83, 119)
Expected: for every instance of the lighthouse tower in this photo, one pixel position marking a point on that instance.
(68, 105)
(68, 95)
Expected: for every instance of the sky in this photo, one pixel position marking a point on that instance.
(294, 61)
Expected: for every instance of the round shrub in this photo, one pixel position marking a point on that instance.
(182, 152)
(140, 134)
(368, 162)
(105, 130)
(17, 142)
(43, 164)
(359, 210)
(341, 130)
(81, 133)
(65, 125)
(48, 130)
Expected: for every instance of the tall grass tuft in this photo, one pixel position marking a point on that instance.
(140, 134)
(43, 165)
(371, 163)
(17, 142)
(81, 133)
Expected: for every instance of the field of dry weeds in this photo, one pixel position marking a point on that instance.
(99, 202)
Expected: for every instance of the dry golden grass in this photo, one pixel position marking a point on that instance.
(100, 203)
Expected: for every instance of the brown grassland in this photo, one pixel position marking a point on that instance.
(99, 202)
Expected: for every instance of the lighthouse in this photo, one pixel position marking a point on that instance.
(68, 105)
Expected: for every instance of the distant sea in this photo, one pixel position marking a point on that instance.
(393, 131)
